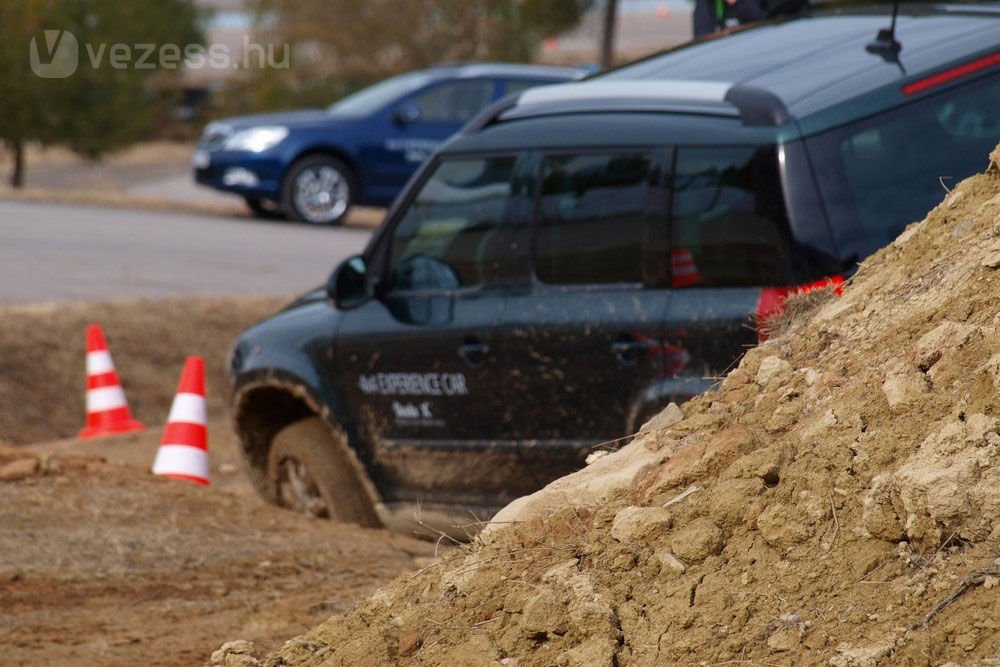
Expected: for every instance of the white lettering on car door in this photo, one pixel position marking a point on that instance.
(413, 384)
(413, 150)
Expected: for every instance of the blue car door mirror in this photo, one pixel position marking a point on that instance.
(406, 114)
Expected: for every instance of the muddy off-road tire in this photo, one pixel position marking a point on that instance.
(309, 471)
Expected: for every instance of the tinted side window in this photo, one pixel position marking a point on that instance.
(592, 218)
(512, 86)
(454, 102)
(443, 238)
(729, 227)
(886, 172)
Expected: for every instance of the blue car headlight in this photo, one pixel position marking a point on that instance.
(256, 139)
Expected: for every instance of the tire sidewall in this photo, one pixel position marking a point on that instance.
(309, 162)
(311, 442)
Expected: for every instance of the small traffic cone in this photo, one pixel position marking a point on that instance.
(183, 452)
(107, 409)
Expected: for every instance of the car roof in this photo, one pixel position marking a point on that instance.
(800, 75)
(813, 63)
(461, 70)
(625, 129)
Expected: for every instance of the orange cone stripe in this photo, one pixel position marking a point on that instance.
(194, 435)
(188, 478)
(109, 379)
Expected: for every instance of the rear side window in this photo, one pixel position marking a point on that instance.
(886, 172)
(729, 227)
(591, 224)
(512, 86)
(443, 239)
(454, 102)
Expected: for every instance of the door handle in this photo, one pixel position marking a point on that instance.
(627, 350)
(473, 352)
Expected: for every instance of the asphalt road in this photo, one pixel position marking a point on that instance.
(53, 253)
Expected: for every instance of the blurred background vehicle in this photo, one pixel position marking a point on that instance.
(312, 166)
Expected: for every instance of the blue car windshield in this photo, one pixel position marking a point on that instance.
(375, 97)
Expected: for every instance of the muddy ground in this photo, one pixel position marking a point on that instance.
(103, 563)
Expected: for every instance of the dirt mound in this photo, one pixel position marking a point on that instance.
(16, 464)
(836, 501)
(102, 563)
(41, 367)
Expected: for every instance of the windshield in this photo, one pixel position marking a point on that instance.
(375, 97)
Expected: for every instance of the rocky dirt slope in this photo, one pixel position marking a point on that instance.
(836, 501)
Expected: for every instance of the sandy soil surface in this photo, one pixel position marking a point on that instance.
(103, 563)
(42, 366)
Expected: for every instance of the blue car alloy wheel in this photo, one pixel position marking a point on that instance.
(318, 189)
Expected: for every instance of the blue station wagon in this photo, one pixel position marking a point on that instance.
(312, 166)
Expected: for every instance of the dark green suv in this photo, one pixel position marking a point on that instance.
(583, 254)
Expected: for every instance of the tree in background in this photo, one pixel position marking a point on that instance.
(95, 109)
(342, 45)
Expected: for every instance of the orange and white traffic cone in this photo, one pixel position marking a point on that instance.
(107, 409)
(183, 452)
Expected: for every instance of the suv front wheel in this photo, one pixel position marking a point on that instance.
(318, 189)
(309, 471)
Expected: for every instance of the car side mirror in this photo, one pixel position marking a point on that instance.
(406, 114)
(349, 286)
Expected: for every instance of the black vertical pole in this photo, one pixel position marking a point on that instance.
(608, 34)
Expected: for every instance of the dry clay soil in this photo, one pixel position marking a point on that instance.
(836, 501)
(103, 563)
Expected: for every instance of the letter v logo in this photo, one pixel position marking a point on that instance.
(56, 55)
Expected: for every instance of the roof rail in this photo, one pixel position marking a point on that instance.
(491, 114)
(598, 89)
(755, 106)
(758, 106)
